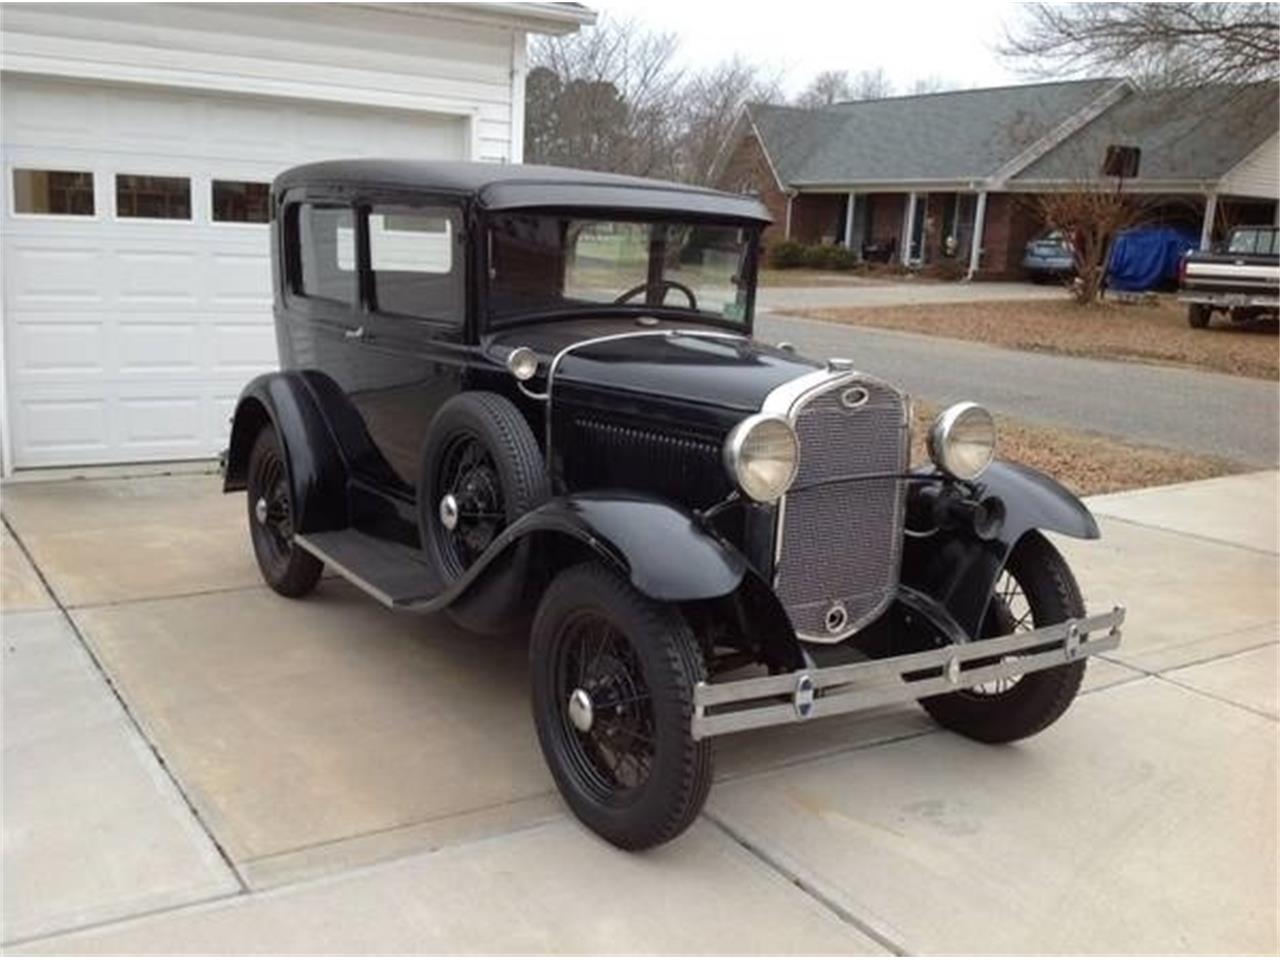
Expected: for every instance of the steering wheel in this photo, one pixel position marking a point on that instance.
(665, 285)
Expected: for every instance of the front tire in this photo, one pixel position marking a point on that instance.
(288, 569)
(1036, 589)
(1198, 316)
(613, 679)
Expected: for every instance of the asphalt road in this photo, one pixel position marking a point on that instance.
(1207, 413)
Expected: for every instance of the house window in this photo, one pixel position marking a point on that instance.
(67, 193)
(153, 198)
(241, 201)
(412, 263)
(326, 253)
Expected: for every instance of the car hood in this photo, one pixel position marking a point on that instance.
(684, 362)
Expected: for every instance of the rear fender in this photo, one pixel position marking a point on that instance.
(960, 571)
(317, 471)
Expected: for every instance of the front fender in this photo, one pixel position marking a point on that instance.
(960, 571)
(661, 547)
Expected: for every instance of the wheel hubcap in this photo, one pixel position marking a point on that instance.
(260, 510)
(449, 511)
(581, 713)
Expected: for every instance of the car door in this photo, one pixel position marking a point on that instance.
(409, 350)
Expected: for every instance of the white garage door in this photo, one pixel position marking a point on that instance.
(136, 270)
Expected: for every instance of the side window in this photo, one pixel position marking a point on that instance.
(414, 263)
(152, 198)
(67, 193)
(325, 262)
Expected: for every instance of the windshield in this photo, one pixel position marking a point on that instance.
(541, 263)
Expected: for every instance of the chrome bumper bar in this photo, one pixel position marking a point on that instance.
(827, 691)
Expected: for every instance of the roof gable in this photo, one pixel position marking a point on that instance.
(959, 135)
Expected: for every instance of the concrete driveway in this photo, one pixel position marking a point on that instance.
(195, 765)
(877, 292)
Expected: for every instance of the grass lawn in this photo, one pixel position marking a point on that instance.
(1149, 333)
(1086, 463)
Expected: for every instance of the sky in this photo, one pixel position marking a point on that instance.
(953, 42)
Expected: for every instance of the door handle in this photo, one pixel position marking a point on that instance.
(354, 333)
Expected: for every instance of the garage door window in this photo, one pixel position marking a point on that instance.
(67, 193)
(413, 265)
(153, 198)
(326, 258)
(241, 201)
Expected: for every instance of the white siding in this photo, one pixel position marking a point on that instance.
(339, 53)
(1257, 175)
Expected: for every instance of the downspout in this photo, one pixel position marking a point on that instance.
(979, 228)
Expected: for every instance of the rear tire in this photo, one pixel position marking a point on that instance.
(1198, 316)
(1029, 705)
(634, 775)
(288, 569)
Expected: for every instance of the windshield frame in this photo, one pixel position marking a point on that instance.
(487, 323)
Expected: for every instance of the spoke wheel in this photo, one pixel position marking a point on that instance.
(1035, 589)
(286, 567)
(613, 679)
(598, 668)
(468, 476)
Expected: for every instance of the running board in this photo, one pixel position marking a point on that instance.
(395, 575)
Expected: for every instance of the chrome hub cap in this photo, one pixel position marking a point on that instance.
(449, 511)
(260, 511)
(581, 714)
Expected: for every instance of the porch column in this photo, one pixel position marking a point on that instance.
(1210, 213)
(849, 207)
(979, 227)
(787, 232)
(904, 248)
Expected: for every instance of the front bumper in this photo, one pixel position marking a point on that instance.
(827, 691)
(1230, 299)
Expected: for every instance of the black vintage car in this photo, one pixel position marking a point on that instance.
(530, 398)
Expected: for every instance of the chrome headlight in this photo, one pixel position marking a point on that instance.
(762, 455)
(962, 441)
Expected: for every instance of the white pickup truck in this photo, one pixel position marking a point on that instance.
(1240, 279)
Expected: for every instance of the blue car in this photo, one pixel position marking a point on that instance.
(1049, 258)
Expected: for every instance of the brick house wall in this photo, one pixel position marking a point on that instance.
(1011, 223)
(816, 217)
(747, 170)
(885, 212)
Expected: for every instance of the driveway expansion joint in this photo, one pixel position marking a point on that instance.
(831, 905)
(134, 723)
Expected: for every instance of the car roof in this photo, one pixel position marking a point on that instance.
(497, 186)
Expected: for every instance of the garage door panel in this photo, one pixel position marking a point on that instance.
(153, 348)
(170, 422)
(241, 281)
(50, 275)
(239, 348)
(154, 121)
(156, 276)
(54, 346)
(57, 430)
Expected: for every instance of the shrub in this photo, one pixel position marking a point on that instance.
(830, 257)
(787, 254)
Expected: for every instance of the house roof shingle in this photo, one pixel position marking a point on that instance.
(1198, 134)
(963, 134)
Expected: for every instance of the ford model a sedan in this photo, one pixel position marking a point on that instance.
(530, 398)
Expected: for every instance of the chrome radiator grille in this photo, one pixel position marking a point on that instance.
(839, 538)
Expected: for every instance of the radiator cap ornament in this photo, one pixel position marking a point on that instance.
(839, 363)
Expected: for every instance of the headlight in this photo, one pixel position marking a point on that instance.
(762, 455)
(962, 440)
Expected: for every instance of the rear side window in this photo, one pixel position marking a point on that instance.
(325, 263)
(414, 262)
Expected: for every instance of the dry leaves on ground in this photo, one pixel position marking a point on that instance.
(1087, 463)
(1146, 332)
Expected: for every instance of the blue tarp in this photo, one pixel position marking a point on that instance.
(1147, 257)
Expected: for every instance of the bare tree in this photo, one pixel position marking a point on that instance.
(710, 103)
(601, 99)
(1089, 215)
(872, 85)
(828, 87)
(930, 84)
(1162, 44)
